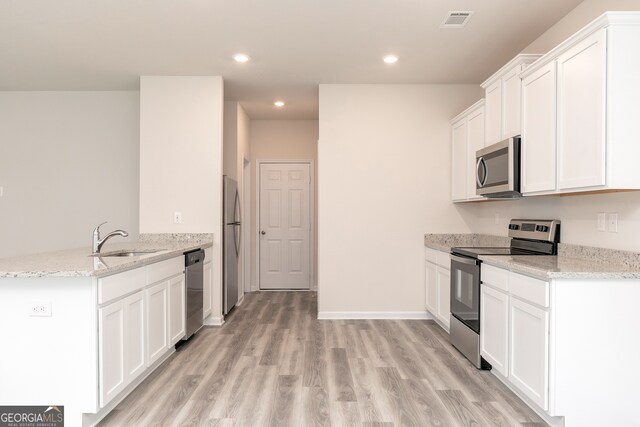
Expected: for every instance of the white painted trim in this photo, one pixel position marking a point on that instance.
(374, 315)
(523, 58)
(603, 21)
(213, 321)
(467, 112)
(312, 222)
(246, 220)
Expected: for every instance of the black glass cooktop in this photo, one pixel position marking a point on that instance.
(475, 251)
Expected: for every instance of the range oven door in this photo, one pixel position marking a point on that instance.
(465, 291)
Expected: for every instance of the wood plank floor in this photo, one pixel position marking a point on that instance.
(274, 364)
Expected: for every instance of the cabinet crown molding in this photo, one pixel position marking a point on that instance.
(603, 21)
(466, 112)
(523, 58)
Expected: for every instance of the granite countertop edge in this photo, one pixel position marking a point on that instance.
(548, 266)
(25, 265)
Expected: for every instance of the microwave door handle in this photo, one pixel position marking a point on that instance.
(482, 162)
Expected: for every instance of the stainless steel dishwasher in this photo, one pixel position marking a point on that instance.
(193, 262)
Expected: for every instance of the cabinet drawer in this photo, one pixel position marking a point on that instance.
(529, 289)
(496, 277)
(165, 269)
(431, 255)
(112, 287)
(438, 257)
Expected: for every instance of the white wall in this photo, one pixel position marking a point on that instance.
(577, 213)
(279, 140)
(68, 161)
(181, 124)
(181, 154)
(584, 13)
(383, 181)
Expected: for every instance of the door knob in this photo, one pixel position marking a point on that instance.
(263, 232)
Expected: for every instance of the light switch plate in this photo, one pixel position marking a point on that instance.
(602, 221)
(177, 217)
(613, 222)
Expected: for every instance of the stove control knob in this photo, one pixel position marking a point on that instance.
(514, 227)
(542, 228)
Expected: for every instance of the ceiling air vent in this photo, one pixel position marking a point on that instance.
(456, 19)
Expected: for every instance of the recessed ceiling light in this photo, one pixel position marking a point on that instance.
(241, 57)
(279, 103)
(390, 59)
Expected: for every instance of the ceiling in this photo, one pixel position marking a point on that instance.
(294, 44)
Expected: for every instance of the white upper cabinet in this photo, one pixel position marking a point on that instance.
(502, 96)
(493, 105)
(459, 160)
(590, 125)
(538, 149)
(467, 136)
(582, 72)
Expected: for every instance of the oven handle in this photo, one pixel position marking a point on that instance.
(470, 261)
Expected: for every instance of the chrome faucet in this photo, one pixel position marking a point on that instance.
(98, 242)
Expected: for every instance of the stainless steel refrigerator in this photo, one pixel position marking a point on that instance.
(231, 235)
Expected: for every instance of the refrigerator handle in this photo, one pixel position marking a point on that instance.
(237, 213)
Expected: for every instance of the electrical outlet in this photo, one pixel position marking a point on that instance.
(39, 309)
(177, 217)
(613, 222)
(602, 221)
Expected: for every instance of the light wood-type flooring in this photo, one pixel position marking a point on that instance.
(274, 364)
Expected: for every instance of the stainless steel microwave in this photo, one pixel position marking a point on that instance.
(498, 170)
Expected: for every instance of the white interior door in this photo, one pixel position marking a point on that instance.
(284, 227)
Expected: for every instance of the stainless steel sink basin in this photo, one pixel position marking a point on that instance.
(126, 253)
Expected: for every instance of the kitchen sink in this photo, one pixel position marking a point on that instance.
(127, 253)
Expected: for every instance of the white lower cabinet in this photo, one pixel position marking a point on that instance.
(444, 291)
(494, 318)
(122, 346)
(112, 346)
(176, 309)
(529, 351)
(437, 286)
(157, 322)
(431, 287)
(138, 323)
(206, 290)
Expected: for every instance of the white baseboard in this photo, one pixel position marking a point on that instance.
(213, 321)
(372, 315)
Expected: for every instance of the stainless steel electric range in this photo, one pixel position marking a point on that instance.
(528, 237)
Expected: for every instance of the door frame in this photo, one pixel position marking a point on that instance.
(246, 219)
(312, 222)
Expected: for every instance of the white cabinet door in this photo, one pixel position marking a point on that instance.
(444, 286)
(206, 290)
(176, 309)
(581, 114)
(539, 130)
(111, 342)
(459, 160)
(475, 142)
(134, 330)
(493, 111)
(511, 89)
(494, 334)
(529, 351)
(157, 322)
(431, 288)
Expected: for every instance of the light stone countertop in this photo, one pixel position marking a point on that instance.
(78, 263)
(562, 267)
(572, 262)
(444, 242)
